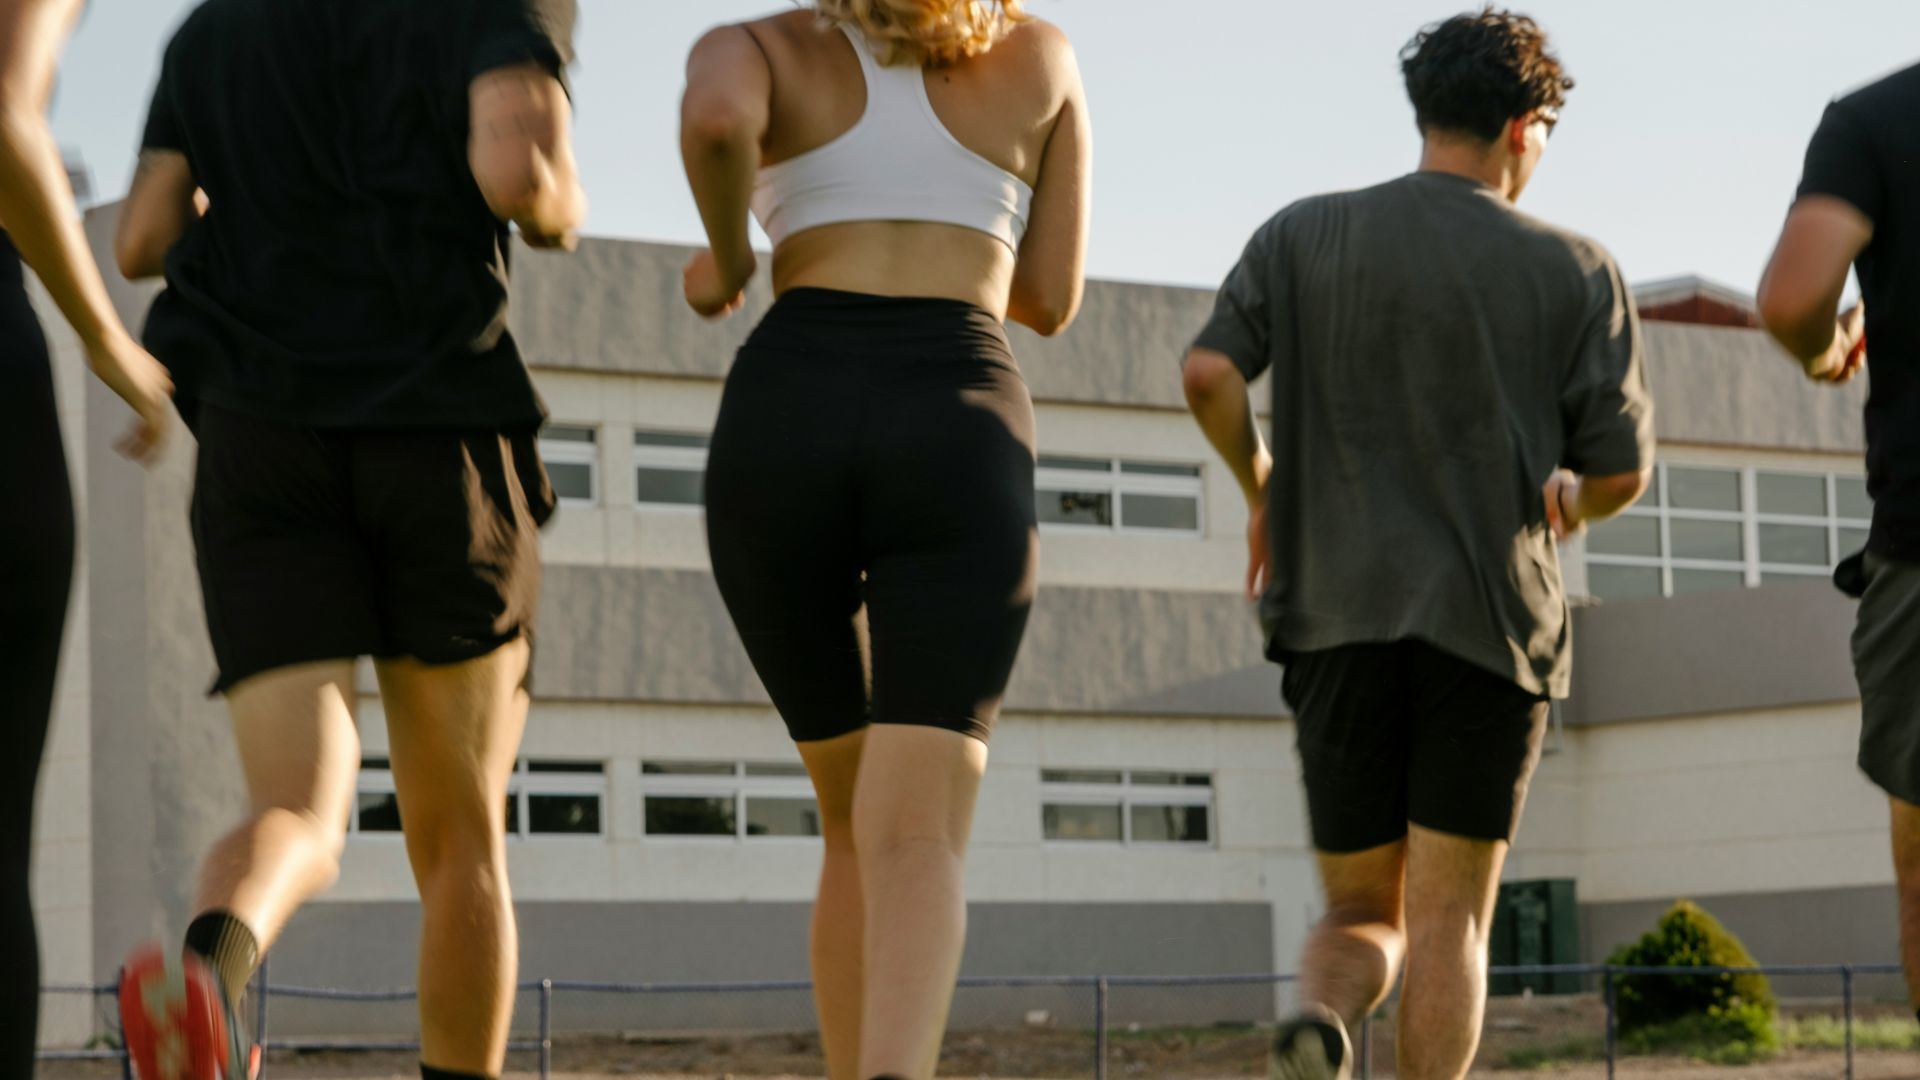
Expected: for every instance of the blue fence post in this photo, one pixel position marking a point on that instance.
(1846, 999)
(1607, 992)
(1100, 1028)
(546, 1027)
(260, 1015)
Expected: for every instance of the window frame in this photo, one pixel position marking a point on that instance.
(525, 784)
(522, 785)
(573, 452)
(737, 786)
(1117, 483)
(668, 459)
(1128, 794)
(1749, 518)
(372, 781)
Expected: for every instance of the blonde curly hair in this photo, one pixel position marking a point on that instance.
(927, 33)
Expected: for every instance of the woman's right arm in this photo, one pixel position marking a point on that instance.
(38, 212)
(1050, 278)
(723, 119)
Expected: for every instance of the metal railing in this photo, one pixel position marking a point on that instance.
(1100, 988)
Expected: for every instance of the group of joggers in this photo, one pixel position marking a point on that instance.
(328, 188)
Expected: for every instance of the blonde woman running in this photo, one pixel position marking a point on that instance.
(922, 168)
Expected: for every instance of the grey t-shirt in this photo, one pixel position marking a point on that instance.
(1435, 353)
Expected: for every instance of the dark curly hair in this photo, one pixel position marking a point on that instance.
(1475, 73)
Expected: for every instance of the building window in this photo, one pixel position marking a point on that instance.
(375, 807)
(1133, 806)
(557, 798)
(669, 469)
(571, 455)
(544, 798)
(1107, 495)
(1700, 528)
(728, 800)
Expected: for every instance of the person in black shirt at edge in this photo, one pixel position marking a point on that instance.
(1454, 384)
(39, 223)
(1859, 206)
(368, 482)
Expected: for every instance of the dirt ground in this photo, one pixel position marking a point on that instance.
(1514, 1026)
(1822, 1066)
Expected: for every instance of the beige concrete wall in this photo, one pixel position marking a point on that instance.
(1755, 802)
(1730, 805)
(1260, 851)
(1768, 801)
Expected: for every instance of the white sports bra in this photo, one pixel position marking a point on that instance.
(897, 163)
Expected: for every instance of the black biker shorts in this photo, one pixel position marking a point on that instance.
(320, 544)
(1403, 732)
(870, 511)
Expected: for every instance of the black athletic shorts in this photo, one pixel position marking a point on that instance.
(1886, 660)
(870, 511)
(1402, 732)
(321, 544)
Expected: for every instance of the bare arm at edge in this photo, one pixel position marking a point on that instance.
(38, 212)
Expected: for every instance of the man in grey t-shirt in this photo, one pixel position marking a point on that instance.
(1454, 383)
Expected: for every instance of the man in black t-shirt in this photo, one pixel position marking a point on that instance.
(1859, 206)
(327, 186)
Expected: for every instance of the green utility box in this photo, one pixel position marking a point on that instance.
(1536, 922)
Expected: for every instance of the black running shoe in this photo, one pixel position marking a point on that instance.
(1311, 1046)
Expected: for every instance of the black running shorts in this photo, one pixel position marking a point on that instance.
(1402, 732)
(870, 511)
(1886, 659)
(321, 544)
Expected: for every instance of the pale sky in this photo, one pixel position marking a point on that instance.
(1679, 149)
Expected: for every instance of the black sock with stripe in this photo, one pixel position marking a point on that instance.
(228, 946)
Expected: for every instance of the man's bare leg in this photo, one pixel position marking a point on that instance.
(839, 914)
(453, 732)
(1906, 876)
(1452, 885)
(1354, 953)
(300, 753)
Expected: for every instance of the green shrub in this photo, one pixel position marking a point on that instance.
(1736, 1008)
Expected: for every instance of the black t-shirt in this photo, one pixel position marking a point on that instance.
(1867, 152)
(348, 272)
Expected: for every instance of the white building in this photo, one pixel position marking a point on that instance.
(1142, 811)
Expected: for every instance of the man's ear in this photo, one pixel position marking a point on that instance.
(1517, 135)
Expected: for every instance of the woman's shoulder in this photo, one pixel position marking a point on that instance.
(1038, 54)
(1037, 39)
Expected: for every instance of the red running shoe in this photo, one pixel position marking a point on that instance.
(178, 1022)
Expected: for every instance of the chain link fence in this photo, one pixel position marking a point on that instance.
(1065, 1027)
